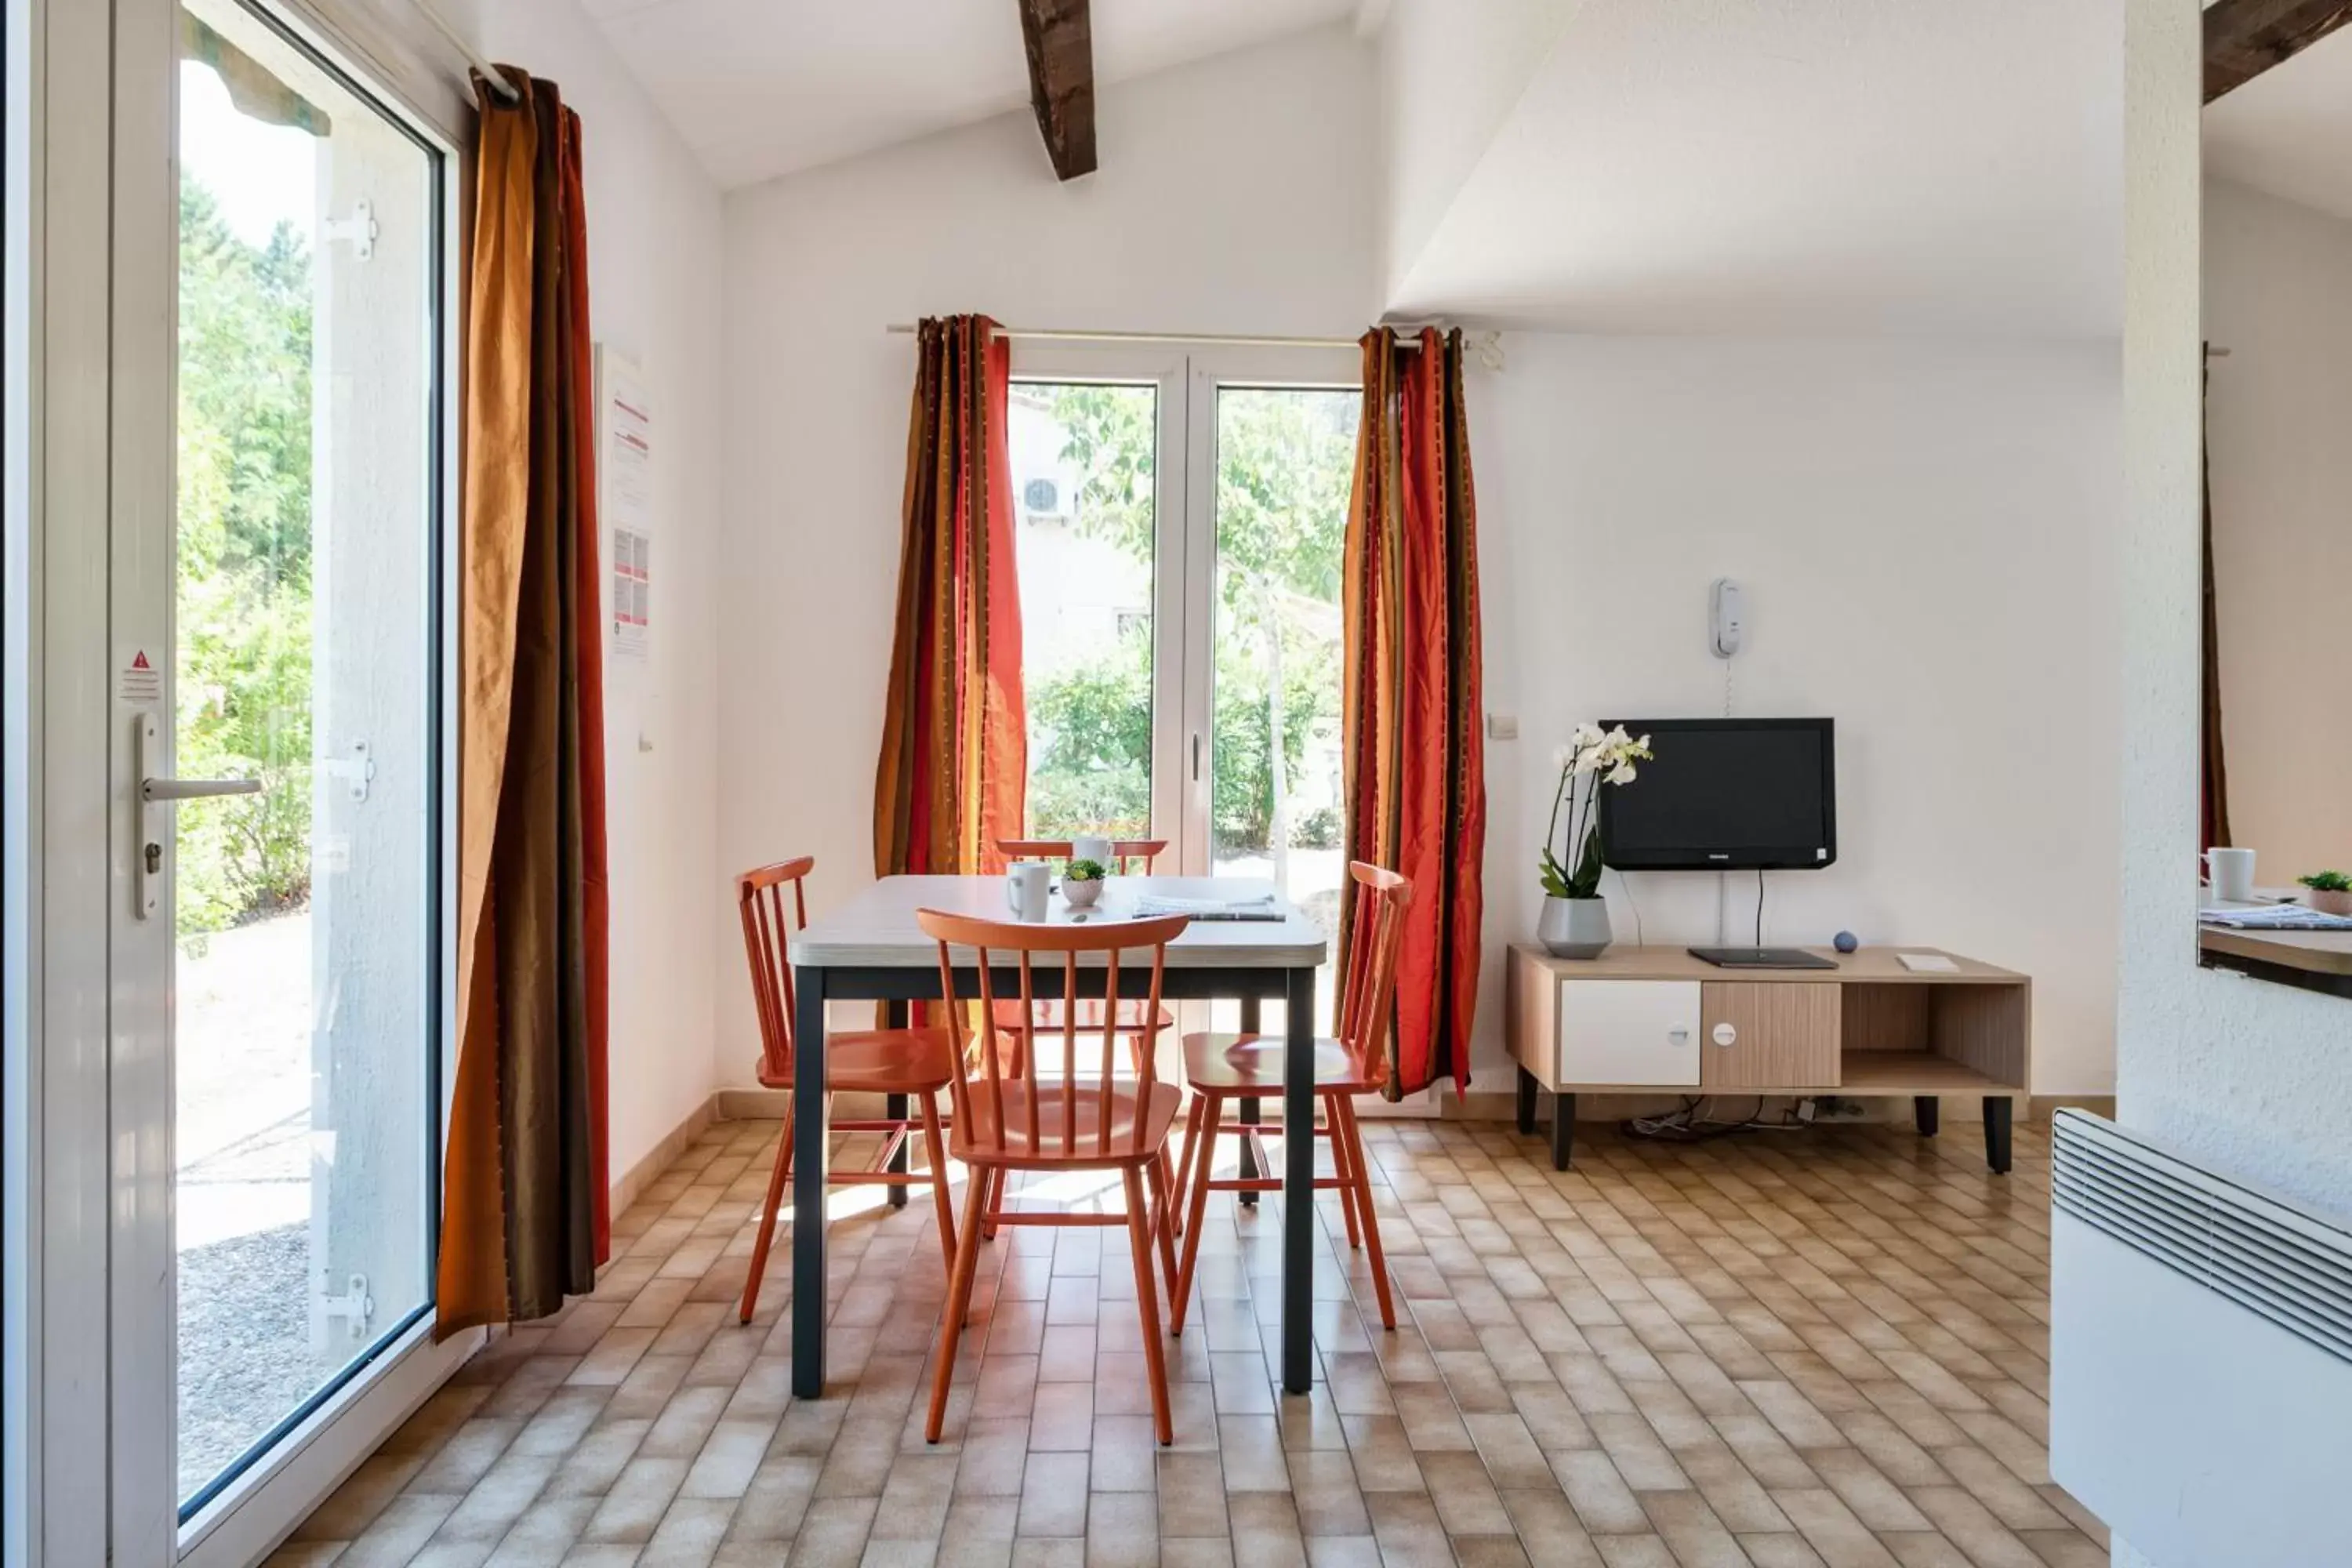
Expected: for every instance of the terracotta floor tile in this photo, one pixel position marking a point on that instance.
(1824, 1351)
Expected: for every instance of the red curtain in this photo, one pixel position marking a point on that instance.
(525, 1181)
(954, 768)
(1416, 789)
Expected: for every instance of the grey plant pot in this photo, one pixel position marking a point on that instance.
(1574, 928)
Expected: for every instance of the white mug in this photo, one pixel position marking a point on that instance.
(1024, 889)
(2231, 872)
(1092, 847)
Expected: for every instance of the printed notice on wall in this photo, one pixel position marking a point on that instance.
(628, 482)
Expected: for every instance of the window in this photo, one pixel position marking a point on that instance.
(305, 590)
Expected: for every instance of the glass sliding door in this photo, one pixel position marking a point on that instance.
(1180, 526)
(304, 664)
(1280, 459)
(1085, 463)
(1096, 441)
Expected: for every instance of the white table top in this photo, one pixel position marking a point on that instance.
(876, 929)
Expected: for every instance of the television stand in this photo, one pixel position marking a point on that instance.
(1656, 1021)
(1760, 958)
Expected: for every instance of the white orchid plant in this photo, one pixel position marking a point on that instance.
(1591, 758)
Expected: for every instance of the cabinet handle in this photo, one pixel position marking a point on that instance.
(1726, 1036)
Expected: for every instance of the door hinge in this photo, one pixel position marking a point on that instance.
(354, 1306)
(358, 769)
(360, 228)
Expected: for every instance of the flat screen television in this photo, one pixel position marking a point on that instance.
(1725, 794)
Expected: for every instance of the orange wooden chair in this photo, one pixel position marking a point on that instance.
(912, 1062)
(1218, 1068)
(1018, 1118)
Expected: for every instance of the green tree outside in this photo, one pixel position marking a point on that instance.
(242, 662)
(1285, 465)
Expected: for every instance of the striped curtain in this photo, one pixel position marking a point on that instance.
(1416, 786)
(954, 766)
(525, 1185)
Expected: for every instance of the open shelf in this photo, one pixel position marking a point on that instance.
(1913, 1072)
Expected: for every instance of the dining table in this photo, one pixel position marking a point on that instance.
(870, 948)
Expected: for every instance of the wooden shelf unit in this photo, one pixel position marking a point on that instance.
(1655, 1020)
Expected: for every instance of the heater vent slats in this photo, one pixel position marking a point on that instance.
(2282, 1264)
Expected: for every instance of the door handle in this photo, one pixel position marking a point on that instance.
(147, 862)
(163, 792)
(1196, 757)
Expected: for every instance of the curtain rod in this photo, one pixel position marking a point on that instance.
(490, 73)
(1257, 339)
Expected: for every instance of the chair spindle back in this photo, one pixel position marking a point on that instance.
(1374, 937)
(760, 899)
(985, 1103)
(1126, 851)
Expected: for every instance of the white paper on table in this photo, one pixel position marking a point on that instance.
(1927, 963)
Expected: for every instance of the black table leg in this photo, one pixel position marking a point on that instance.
(810, 1158)
(1250, 1111)
(1529, 1085)
(1926, 1114)
(1298, 1184)
(895, 1108)
(1997, 1113)
(1563, 1128)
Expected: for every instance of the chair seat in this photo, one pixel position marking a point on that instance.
(1049, 1014)
(1252, 1063)
(975, 1139)
(881, 1061)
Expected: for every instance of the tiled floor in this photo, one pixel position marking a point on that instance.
(1787, 1349)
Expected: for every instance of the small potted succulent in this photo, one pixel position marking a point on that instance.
(1575, 921)
(1082, 883)
(2330, 892)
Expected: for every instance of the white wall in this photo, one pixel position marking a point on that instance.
(2255, 1077)
(1926, 534)
(2282, 479)
(1449, 76)
(1234, 195)
(654, 262)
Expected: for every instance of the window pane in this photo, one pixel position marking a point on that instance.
(306, 982)
(1285, 462)
(1085, 488)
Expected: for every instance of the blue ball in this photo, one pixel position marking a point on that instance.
(1846, 941)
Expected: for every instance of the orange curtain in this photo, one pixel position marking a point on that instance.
(955, 750)
(525, 1185)
(1416, 783)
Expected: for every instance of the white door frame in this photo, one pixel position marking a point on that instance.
(1209, 367)
(128, 1512)
(1162, 367)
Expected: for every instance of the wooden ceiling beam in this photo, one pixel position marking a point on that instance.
(2244, 39)
(1060, 37)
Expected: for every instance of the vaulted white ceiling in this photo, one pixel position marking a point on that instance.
(1786, 165)
(760, 88)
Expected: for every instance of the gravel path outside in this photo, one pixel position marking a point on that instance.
(245, 1345)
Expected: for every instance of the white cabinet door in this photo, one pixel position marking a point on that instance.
(1629, 1031)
